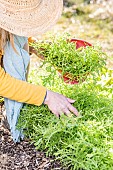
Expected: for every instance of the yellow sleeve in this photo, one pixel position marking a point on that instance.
(20, 91)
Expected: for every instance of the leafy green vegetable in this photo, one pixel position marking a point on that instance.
(85, 142)
(72, 62)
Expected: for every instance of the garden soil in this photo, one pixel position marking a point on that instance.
(22, 156)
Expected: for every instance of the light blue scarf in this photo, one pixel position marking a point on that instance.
(15, 65)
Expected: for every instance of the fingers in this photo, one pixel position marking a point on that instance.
(55, 112)
(65, 111)
(70, 100)
(61, 112)
(66, 108)
(60, 104)
(73, 109)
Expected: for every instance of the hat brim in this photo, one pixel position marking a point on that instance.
(31, 22)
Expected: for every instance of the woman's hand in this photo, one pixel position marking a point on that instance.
(59, 104)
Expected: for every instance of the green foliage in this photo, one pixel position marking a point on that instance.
(76, 63)
(85, 142)
(1, 100)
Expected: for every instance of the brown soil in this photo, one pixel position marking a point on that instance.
(23, 155)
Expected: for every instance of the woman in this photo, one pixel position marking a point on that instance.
(20, 19)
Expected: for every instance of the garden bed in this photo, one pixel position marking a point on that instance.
(79, 143)
(22, 156)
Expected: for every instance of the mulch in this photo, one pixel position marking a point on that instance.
(23, 155)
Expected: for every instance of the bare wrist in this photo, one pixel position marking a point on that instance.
(46, 97)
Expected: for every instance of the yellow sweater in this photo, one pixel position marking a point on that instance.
(20, 91)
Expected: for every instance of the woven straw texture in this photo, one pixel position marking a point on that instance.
(29, 17)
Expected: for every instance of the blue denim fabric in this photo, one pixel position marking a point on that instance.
(15, 64)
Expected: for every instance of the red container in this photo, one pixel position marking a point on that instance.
(78, 44)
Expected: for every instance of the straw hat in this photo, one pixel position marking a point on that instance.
(29, 17)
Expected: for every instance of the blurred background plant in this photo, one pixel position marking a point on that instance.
(91, 20)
